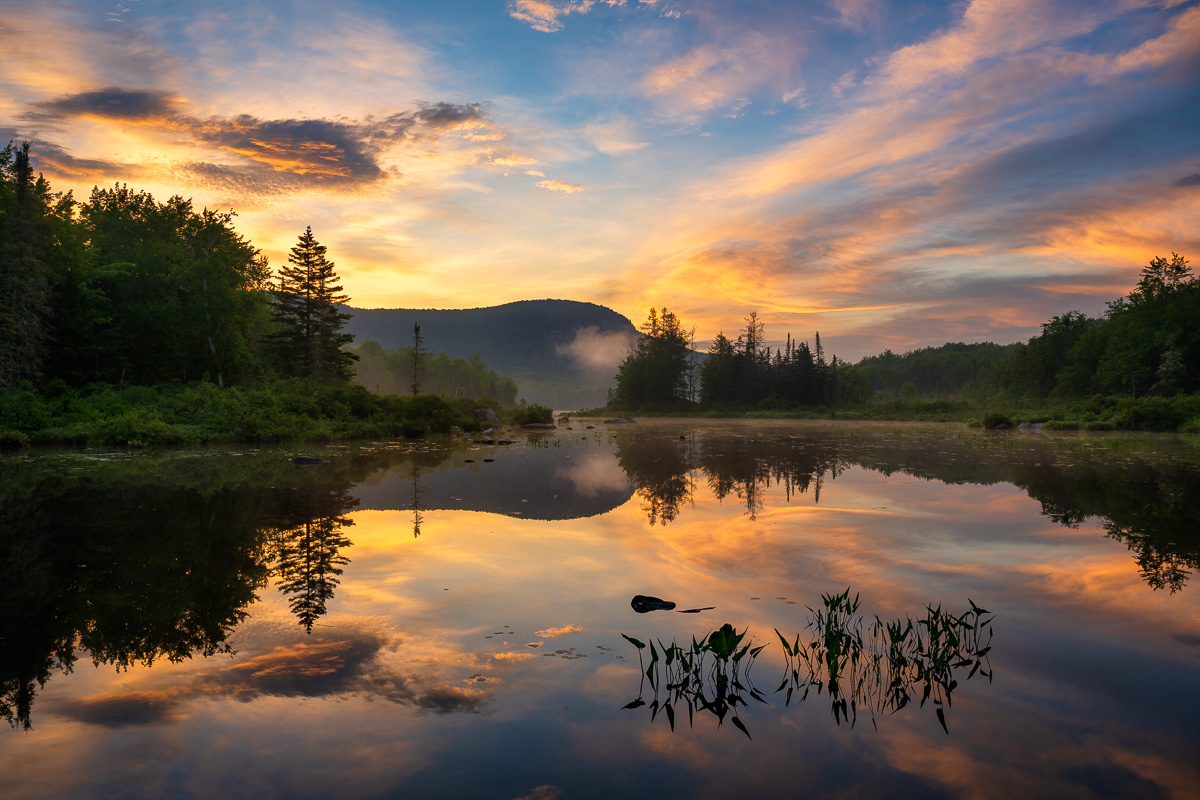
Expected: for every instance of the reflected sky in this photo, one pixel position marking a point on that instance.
(484, 657)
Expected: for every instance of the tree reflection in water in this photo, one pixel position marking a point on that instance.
(883, 670)
(1149, 505)
(307, 552)
(173, 562)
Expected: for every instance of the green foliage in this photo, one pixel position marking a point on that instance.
(657, 371)
(934, 371)
(746, 373)
(307, 341)
(531, 415)
(200, 413)
(386, 371)
(1147, 343)
(13, 440)
(997, 419)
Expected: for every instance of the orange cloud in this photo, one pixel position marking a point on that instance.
(560, 186)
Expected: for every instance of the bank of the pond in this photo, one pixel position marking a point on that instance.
(206, 414)
(1179, 414)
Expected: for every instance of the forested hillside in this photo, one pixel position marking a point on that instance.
(935, 371)
(561, 353)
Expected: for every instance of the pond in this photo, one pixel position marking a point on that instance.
(860, 610)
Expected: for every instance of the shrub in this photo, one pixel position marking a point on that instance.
(13, 440)
(996, 419)
(527, 415)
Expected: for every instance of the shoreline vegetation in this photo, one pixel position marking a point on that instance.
(1179, 414)
(1137, 367)
(202, 414)
(132, 322)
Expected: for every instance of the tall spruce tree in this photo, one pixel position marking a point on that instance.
(24, 276)
(307, 341)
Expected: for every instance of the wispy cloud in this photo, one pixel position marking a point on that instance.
(560, 186)
(545, 15)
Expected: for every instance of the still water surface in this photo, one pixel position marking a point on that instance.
(417, 620)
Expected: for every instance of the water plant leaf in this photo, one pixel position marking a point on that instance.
(634, 642)
(941, 715)
(742, 728)
(635, 704)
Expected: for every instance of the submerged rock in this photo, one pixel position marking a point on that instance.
(308, 460)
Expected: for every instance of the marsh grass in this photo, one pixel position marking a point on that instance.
(710, 676)
(883, 666)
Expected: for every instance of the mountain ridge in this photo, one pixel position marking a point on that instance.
(562, 353)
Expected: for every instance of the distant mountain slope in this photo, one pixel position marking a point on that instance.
(562, 353)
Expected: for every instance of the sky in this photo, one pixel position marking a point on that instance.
(890, 174)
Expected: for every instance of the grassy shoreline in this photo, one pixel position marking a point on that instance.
(200, 414)
(1179, 414)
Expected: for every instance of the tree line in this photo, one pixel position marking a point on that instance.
(1146, 344)
(124, 289)
(663, 370)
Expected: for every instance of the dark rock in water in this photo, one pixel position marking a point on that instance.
(619, 421)
(468, 461)
(488, 460)
(590, 427)
(539, 426)
(641, 604)
(308, 460)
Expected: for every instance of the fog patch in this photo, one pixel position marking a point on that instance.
(600, 352)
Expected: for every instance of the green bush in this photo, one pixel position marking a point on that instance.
(13, 440)
(996, 419)
(529, 415)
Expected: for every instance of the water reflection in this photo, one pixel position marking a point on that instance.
(136, 560)
(485, 658)
(1149, 505)
(306, 549)
(880, 667)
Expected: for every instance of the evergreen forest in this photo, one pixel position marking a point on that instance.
(1137, 366)
(126, 320)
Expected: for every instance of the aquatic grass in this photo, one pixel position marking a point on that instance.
(883, 670)
(882, 667)
(710, 675)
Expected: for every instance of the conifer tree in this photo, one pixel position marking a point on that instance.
(307, 340)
